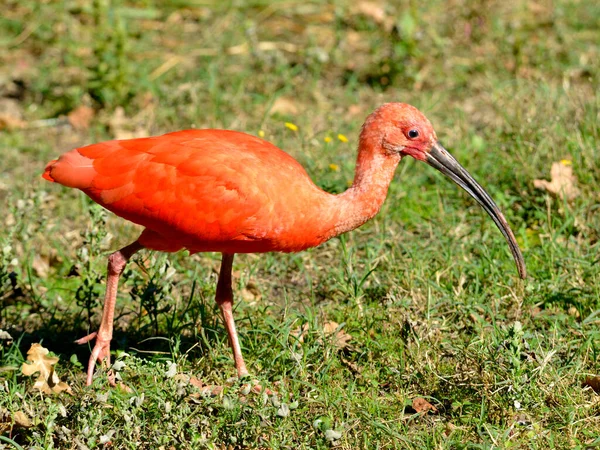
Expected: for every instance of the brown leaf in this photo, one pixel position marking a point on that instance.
(300, 333)
(355, 110)
(421, 405)
(450, 428)
(574, 312)
(5, 336)
(182, 378)
(285, 106)
(8, 122)
(5, 421)
(376, 12)
(40, 266)
(212, 390)
(341, 339)
(22, 420)
(11, 114)
(251, 293)
(257, 389)
(196, 382)
(354, 368)
(81, 117)
(47, 381)
(124, 388)
(372, 10)
(592, 382)
(123, 128)
(562, 181)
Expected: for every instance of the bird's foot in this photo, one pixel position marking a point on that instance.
(255, 387)
(243, 373)
(240, 366)
(100, 353)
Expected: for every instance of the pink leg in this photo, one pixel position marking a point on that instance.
(225, 302)
(101, 351)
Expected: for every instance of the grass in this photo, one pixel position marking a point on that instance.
(427, 290)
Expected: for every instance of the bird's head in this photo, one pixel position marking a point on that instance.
(402, 130)
(405, 130)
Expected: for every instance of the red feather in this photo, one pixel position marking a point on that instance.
(204, 190)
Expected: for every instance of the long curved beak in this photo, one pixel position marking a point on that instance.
(439, 158)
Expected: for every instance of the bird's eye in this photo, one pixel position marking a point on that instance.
(413, 134)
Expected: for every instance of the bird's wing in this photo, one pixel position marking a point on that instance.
(195, 185)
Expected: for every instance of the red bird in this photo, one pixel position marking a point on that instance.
(229, 192)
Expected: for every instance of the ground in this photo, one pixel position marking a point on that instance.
(421, 306)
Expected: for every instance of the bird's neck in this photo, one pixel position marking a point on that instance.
(358, 204)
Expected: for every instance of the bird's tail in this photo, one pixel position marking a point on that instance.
(46, 175)
(72, 170)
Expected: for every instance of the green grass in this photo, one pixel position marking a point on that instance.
(427, 290)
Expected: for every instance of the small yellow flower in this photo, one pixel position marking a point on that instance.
(291, 126)
(334, 167)
(342, 138)
(261, 133)
(328, 139)
(566, 162)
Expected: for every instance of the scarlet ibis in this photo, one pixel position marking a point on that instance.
(229, 192)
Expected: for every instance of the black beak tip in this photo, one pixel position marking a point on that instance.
(522, 271)
(439, 158)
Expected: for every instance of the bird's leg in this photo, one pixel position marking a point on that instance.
(225, 302)
(101, 351)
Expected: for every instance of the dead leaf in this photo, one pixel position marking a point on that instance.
(81, 117)
(123, 128)
(196, 382)
(257, 389)
(341, 339)
(47, 381)
(285, 106)
(182, 378)
(5, 336)
(538, 9)
(420, 405)
(562, 181)
(372, 10)
(574, 312)
(10, 123)
(11, 114)
(593, 382)
(300, 333)
(212, 390)
(355, 110)
(450, 428)
(521, 420)
(206, 390)
(5, 421)
(375, 12)
(40, 266)
(251, 293)
(123, 388)
(22, 420)
(354, 368)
